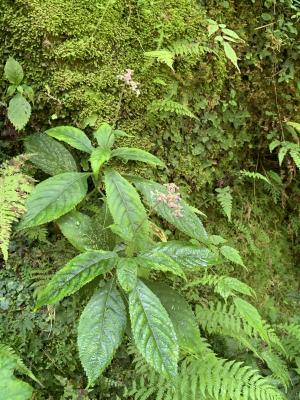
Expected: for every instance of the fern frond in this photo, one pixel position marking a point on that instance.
(223, 285)
(38, 233)
(219, 379)
(290, 338)
(205, 378)
(185, 48)
(224, 197)
(171, 107)
(14, 188)
(278, 367)
(295, 154)
(254, 176)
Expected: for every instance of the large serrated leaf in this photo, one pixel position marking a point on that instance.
(54, 197)
(160, 262)
(126, 208)
(153, 331)
(182, 317)
(100, 330)
(128, 153)
(75, 274)
(73, 136)
(186, 254)
(188, 223)
(127, 273)
(84, 232)
(98, 157)
(49, 155)
(19, 111)
(13, 71)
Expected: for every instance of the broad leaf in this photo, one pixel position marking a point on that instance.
(100, 330)
(153, 331)
(73, 136)
(19, 111)
(232, 255)
(75, 274)
(188, 223)
(186, 254)
(98, 157)
(127, 273)
(294, 125)
(160, 262)
(126, 208)
(105, 136)
(230, 54)
(54, 197)
(127, 153)
(84, 232)
(49, 155)
(182, 317)
(14, 389)
(13, 71)
(282, 153)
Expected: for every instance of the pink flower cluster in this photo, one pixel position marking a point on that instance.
(171, 199)
(127, 78)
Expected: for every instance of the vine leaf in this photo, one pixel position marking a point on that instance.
(54, 197)
(127, 273)
(13, 71)
(19, 111)
(182, 317)
(126, 209)
(153, 331)
(75, 274)
(98, 157)
(127, 153)
(100, 330)
(73, 136)
(49, 155)
(188, 223)
(231, 54)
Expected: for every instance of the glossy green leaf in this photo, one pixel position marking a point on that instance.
(13, 71)
(105, 136)
(181, 315)
(100, 330)
(85, 232)
(53, 198)
(231, 54)
(126, 208)
(19, 111)
(73, 136)
(127, 273)
(49, 155)
(186, 254)
(160, 262)
(75, 274)
(153, 331)
(127, 153)
(232, 255)
(188, 223)
(98, 157)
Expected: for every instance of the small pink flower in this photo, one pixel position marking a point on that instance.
(172, 199)
(127, 78)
